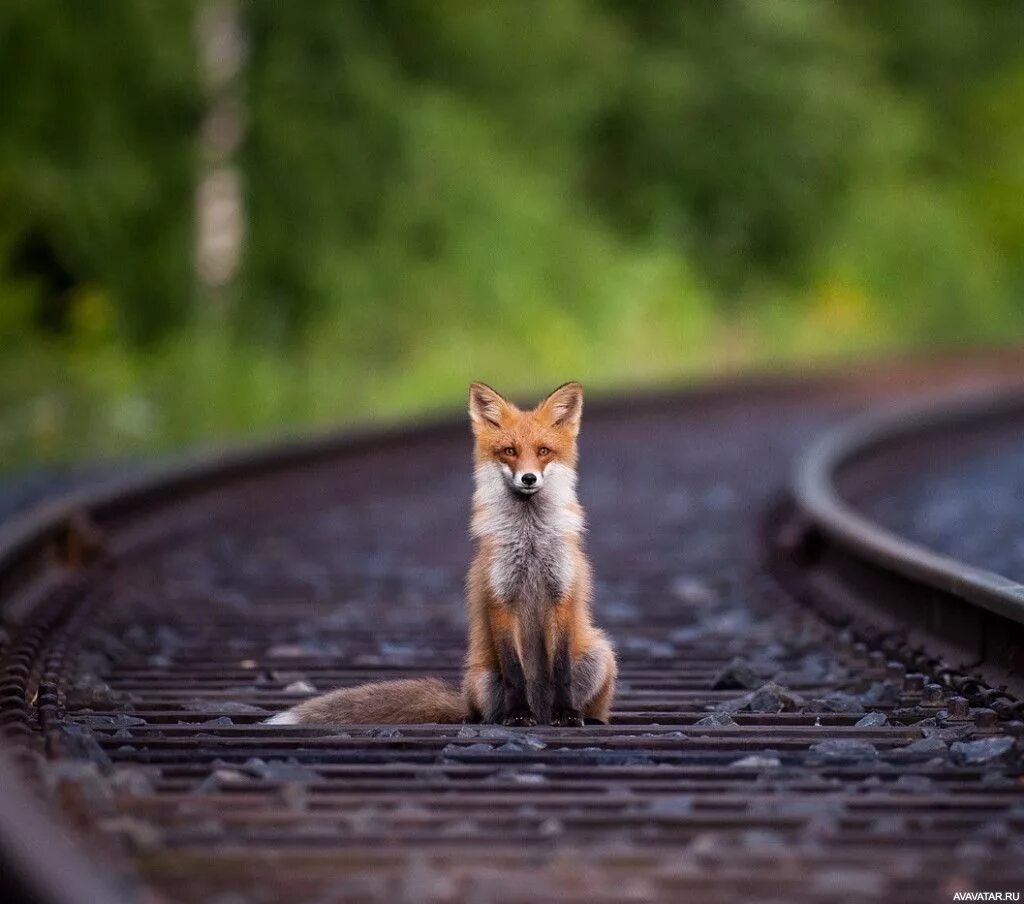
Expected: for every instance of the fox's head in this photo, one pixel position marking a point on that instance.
(526, 448)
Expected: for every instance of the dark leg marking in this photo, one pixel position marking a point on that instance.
(538, 679)
(563, 711)
(516, 709)
(493, 698)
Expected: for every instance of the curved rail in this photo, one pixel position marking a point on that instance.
(940, 581)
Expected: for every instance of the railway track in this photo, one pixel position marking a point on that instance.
(757, 750)
(904, 591)
(973, 475)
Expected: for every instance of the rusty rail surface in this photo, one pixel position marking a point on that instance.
(755, 752)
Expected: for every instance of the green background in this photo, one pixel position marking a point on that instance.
(617, 191)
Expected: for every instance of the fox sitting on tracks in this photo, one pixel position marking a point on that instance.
(534, 654)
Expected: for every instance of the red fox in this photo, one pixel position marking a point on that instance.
(534, 654)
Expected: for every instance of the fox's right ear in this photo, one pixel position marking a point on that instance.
(486, 406)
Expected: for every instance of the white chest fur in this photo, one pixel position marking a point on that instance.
(530, 537)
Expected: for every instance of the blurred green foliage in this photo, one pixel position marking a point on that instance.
(619, 191)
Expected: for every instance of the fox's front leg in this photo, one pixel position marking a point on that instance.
(515, 708)
(564, 712)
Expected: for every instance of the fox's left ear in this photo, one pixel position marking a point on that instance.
(564, 407)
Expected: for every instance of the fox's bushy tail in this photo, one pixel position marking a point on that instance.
(409, 700)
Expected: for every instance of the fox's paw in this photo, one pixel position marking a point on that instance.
(566, 717)
(520, 719)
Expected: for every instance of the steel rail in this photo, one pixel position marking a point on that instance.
(929, 584)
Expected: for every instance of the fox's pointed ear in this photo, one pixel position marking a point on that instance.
(564, 407)
(486, 406)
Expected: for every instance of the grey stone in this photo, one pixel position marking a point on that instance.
(757, 761)
(737, 675)
(845, 749)
(981, 751)
(716, 720)
(872, 720)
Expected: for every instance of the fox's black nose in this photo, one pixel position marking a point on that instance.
(528, 479)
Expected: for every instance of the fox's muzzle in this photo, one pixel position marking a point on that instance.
(528, 482)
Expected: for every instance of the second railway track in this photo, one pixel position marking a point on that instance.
(756, 752)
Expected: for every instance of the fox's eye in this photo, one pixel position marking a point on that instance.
(508, 450)
(543, 450)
